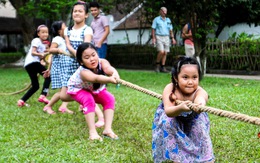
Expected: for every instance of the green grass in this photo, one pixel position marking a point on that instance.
(29, 135)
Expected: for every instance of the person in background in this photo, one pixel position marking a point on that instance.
(33, 66)
(188, 40)
(180, 134)
(162, 34)
(100, 26)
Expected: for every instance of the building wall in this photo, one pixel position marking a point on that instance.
(7, 10)
(120, 36)
(239, 28)
(11, 41)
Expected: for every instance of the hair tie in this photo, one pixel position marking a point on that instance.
(40, 26)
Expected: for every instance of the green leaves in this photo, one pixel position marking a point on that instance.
(47, 9)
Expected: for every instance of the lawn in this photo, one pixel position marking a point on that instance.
(29, 135)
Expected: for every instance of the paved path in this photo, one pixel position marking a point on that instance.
(253, 77)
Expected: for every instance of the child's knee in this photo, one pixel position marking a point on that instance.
(110, 103)
(113, 100)
(88, 109)
(35, 87)
(89, 106)
(65, 97)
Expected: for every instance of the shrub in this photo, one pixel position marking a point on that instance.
(10, 57)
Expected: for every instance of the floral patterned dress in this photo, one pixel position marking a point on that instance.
(181, 140)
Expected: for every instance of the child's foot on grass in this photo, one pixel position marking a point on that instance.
(48, 110)
(21, 103)
(100, 123)
(110, 135)
(43, 99)
(66, 110)
(95, 136)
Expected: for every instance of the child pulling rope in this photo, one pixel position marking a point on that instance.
(215, 111)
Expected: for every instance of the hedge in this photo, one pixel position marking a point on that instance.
(10, 57)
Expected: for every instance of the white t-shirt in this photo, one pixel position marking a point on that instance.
(60, 42)
(76, 33)
(36, 42)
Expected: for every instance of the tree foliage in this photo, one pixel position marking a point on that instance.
(240, 11)
(206, 14)
(49, 10)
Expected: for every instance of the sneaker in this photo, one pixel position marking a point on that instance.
(157, 69)
(21, 103)
(164, 70)
(43, 99)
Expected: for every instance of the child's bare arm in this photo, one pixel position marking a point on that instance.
(185, 33)
(55, 50)
(108, 69)
(35, 53)
(201, 97)
(69, 47)
(89, 76)
(88, 38)
(170, 107)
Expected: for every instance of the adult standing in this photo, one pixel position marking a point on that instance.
(188, 40)
(161, 34)
(100, 26)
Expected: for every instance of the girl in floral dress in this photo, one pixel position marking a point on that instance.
(180, 134)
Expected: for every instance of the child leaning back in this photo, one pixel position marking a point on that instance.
(33, 66)
(87, 86)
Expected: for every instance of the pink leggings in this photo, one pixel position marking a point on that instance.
(89, 100)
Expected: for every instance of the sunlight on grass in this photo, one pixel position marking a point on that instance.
(29, 135)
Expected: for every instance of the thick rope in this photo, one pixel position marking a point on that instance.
(195, 107)
(29, 85)
(16, 92)
(46, 57)
(19, 91)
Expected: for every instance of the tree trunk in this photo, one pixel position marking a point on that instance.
(126, 33)
(27, 24)
(200, 45)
